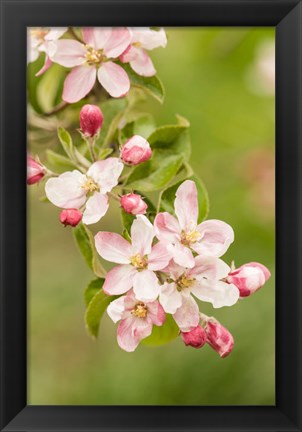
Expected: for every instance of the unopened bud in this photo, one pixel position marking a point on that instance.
(70, 217)
(195, 338)
(133, 203)
(249, 278)
(136, 150)
(35, 171)
(219, 338)
(91, 120)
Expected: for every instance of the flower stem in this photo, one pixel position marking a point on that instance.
(57, 109)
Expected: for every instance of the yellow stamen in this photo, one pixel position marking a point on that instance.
(190, 237)
(184, 282)
(39, 33)
(93, 56)
(140, 310)
(90, 186)
(139, 262)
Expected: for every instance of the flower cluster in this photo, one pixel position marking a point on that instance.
(94, 55)
(167, 262)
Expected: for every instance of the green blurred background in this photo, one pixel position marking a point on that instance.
(222, 81)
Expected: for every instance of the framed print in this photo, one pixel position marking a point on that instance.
(150, 215)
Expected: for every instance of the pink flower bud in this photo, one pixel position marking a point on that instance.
(219, 338)
(91, 120)
(133, 203)
(70, 217)
(249, 278)
(195, 338)
(136, 150)
(35, 171)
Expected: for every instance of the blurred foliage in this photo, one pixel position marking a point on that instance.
(207, 77)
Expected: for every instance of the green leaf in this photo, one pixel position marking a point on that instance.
(104, 152)
(174, 138)
(95, 310)
(92, 289)
(59, 163)
(66, 141)
(112, 110)
(85, 242)
(155, 173)
(49, 86)
(168, 196)
(127, 220)
(164, 334)
(151, 85)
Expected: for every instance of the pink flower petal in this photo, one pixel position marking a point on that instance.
(156, 313)
(210, 268)
(142, 234)
(96, 37)
(159, 257)
(125, 335)
(146, 286)
(114, 79)
(181, 255)
(106, 173)
(55, 33)
(68, 53)
(118, 41)
(167, 228)
(47, 64)
(216, 238)
(139, 60)
(186, 205)
(142, 327)
(116, 309)
(78, 83)
(148, 38)
(119, 280)
(96, 208)
(66, 190)
(113, 247)
(187, 316)
(170, 298)
(216, 292)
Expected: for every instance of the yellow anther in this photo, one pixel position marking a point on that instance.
(140, 310)
(93, 56)
(190, 237)
(139, 262)
(90, 186)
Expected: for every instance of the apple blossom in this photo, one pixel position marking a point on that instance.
(136, 150)
(72, 188)
(183, 234)
(143, 39)
(249, 278)
(71, 217)
(133, 203)
(204, 281)
(219, 338)
(91, 120)
(40, 39)
(93, 60)
(138, 261)
(196, 337)
(35, 171)
(136, 319)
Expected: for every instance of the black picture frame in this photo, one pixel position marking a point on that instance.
(16, 15)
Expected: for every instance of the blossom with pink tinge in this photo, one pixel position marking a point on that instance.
(35, 171)
(136, 150)
(133, 203)
(136, 319)
(205, 281)
(143, 39)
(94, 59)
(138, 261)
(41, 39)
(249, 278)
(91, 120)
(183, 234)
(73, 189)
(219, 338)
(71, 217)
(195, 338)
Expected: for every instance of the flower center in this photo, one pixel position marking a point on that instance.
(90, 186)
(139, 262)
(189, 237)
(93, 56)
(184, 282)
(140, 310)
(39, 33)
